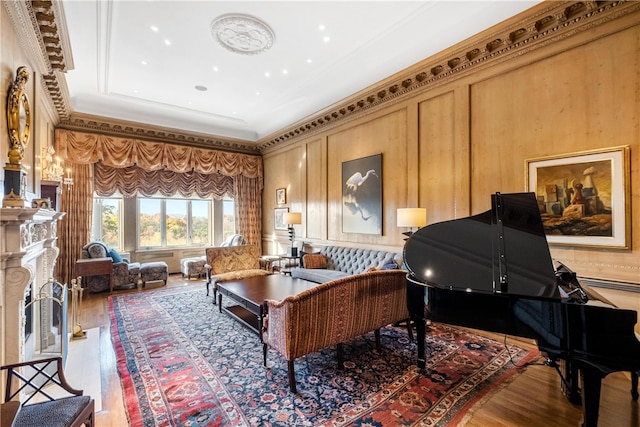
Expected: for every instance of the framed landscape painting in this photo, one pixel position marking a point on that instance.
(362, 195)
(583, 197)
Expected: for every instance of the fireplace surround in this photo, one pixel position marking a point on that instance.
(28, 243)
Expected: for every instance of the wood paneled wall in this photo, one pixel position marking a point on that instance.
(448, 149)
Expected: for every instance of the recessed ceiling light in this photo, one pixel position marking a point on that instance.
(267, 74)
(167, 42)
(215, 68)
(154, 28)
(326, 39)
(309, 61)
(321, 27)
(144, 62)
(201, 88)
(258, 93)
(285, 72)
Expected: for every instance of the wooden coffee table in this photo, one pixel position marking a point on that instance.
(249, 294)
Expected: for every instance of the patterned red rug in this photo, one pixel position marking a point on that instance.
(183, 363)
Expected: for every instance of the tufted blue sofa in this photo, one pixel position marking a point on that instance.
(343, 261)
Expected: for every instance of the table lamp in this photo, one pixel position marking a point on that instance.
(293, 218)
(411, 217)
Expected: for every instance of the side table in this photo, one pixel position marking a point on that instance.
(95, 267)
(267, 261)
(291, 261)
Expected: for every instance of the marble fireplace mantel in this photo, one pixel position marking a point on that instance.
(28, 252)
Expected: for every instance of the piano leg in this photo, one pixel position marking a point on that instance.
(416, 308)
(421, 329)
(591, 385)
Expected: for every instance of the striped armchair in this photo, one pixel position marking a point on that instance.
(333, 313)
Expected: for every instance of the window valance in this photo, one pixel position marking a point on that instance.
(133, 180)
(117, 152)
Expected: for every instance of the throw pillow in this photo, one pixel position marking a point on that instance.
(115, 256)
(389, 264)
(314, 261)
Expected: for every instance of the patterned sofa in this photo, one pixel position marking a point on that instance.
(125, 273)
(335, 262)
(232, 263)
(312, 320)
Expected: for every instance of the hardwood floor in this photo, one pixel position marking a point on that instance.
(532, 399)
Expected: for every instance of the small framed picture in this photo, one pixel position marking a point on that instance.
(278, 222)
(281, 196)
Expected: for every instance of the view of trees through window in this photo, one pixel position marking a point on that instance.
(228, 218)
(173, 222)
(107, 220)
(162, 222)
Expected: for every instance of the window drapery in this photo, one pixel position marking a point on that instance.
(132, 180)
(80, 147)
(195, 170)
(74, 230)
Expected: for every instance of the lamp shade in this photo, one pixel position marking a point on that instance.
(293, 218)
(412, 217)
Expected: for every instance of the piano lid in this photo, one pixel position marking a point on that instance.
(503, 250)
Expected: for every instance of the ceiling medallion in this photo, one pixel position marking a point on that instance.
(242, 34)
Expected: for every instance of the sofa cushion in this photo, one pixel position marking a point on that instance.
(389, 264)
(239, 274)
(314, 261)
(354, 260)
(318, 275)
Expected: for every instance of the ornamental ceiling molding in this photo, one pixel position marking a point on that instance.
(242, 34)
(41, 30)
(94, 124)
(556, 21)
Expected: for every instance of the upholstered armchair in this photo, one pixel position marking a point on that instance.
(125, 273)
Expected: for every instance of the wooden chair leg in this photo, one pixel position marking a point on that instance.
(292, 376)
(378, 345)
(339, 354)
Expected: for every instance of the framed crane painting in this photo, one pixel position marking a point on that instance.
(362, 195)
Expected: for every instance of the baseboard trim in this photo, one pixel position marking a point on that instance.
(611, 284)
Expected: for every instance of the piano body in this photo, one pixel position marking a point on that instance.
(493, 271)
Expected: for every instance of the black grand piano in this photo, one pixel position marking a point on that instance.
(493, 271)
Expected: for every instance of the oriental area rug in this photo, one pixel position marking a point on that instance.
(182, 363)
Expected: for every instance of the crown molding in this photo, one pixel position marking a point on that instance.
(41, 28)
(542, 25)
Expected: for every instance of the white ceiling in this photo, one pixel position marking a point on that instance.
(369, 41)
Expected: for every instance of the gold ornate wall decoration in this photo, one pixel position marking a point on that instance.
(19, 129)
(18, 116)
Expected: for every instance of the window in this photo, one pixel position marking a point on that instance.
(107, 221)
(172, 222)
(228, 218)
